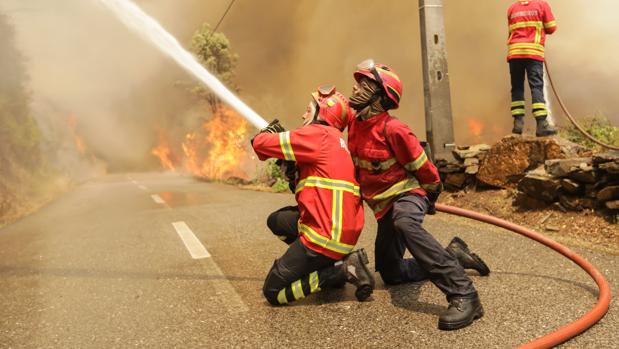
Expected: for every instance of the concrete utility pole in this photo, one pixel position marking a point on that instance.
(439, 122)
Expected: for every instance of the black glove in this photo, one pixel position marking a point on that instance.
(289, 170)
(273, 127)
(432, 193)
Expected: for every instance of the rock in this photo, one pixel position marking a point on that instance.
(455, 181)
(570, 186)
(451, 168)
(610, 156)
(470, 152)
(608, 193)
(472, 170)
(540, 187)
(509, 159)
(471, 161)
(585, 174)
(610, 167)
(526, 202)
(612, 205)
(571, 203)
(563, 167)
(552, 228)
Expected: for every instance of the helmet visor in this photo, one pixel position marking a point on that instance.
(370, 66)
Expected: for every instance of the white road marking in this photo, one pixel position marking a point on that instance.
(232, 300)
(194, 246)
(158, 199)
(142, 187)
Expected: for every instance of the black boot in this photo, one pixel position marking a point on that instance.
(518, 124)
(462, 311)
(544, 128)
(358, 274)
(459, 249)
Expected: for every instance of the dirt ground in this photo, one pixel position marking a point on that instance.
(583, 229)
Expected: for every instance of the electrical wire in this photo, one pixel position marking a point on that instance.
(224, 15)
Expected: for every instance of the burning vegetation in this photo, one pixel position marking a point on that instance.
(215, 151)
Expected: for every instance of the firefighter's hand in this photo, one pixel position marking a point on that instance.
(273, 127)
(432, 196)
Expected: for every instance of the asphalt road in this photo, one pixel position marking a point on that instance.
(103, 267)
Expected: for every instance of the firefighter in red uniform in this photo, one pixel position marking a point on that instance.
(529, 23)
(401, 185)
(325, 227)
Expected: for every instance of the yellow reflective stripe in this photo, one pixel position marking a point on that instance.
(550, 24)
(284, 141)
(534, 24)
(327, 183)
(526, 52)
(540, 113)
(518, 111)
(297, 290)
(384, 165)
(529, 45)
(518, 104)
(398, 188)
(390, 74)
(281, 296)
(324, 242)
(336, 215)
(313, 281)
(416, 165)
(538, 35)
(538, 105)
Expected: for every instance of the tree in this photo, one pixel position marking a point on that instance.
(214, 52)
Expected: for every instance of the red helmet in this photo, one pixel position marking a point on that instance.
(387, 78)
(333, 107)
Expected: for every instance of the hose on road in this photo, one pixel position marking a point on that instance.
(574, 328)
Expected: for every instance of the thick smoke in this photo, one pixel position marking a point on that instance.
(83, 62)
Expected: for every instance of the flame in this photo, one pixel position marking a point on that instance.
(476, 127)
(164, 152)
(79, 142)
(215, 151)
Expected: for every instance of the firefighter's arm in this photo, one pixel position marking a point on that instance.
(409, 153)
(550, 23)
(301, 145)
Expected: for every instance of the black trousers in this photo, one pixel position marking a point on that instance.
(534, 71)
(400, 229)
(300, 271)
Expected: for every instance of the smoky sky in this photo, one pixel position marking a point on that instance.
(82, 61)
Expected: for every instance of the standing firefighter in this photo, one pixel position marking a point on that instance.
(325, 226)
(529, 22)
(401, 185)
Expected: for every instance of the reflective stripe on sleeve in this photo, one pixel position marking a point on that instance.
(414, 166)
(550, 24)
(284, 141)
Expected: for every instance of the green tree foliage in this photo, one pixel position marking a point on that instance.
(599, 127)
(19, 131)
(214, 52)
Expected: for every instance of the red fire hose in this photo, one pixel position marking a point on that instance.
(572, 329)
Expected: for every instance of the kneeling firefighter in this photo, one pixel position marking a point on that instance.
(323, 229)
(401, 185)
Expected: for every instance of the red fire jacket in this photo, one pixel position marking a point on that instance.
(327, 192)
(389, 160)
(529, 22)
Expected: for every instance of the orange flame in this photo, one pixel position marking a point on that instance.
(216, 151)
(79, 142)
(476, 127)
(164, 152)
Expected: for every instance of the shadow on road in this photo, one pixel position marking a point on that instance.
(406, 296)
(591, 289)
